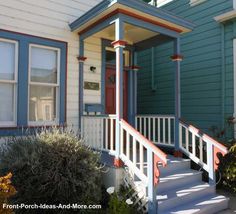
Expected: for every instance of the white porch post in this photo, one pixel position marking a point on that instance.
(177, 58)
(119, 45)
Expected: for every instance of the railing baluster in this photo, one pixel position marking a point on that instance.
(164, 130)
(201, 149)
(127, 145)
(141, 125)
(187, 139)
(112, 135)
(106, 133)
(122, 141)
(193, 144)
(145, 127)
(180, 135)
(169, 131)
(159, 130)
(134, 152)
(141, 157)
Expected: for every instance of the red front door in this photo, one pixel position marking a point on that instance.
(110, 88)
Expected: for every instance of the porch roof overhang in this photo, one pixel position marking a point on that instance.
(135, 12)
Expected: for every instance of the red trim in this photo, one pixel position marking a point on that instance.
(119, 43)
(178, 154)
(118, 163)
(177, 57)
(82, 58)
(128, 13)
(25, 34)
(156, 171)
(135, 67)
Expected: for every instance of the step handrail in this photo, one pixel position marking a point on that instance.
(213, 148)
(153, 154)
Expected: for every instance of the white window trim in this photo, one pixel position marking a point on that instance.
(57, 85)
(15, 81)
(234, 4)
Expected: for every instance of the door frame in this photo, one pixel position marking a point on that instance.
(107, 44)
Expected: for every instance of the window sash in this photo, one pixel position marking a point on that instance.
(14, 83)
(57, 86)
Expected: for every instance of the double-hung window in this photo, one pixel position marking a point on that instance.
(8, 82)
(44, 74)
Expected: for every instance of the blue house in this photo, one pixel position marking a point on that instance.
(131, 77)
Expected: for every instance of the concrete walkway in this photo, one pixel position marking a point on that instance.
(232, 202)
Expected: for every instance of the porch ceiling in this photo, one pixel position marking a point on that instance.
(132, 8)
(132, 34)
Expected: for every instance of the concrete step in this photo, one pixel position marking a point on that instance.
(206, 205)
(174, 165)
(179, 179)
(186, 194)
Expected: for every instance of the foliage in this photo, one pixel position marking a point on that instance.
(118, 202)
(6, 191)
(118, 206)
(52, 167)
(227, 168)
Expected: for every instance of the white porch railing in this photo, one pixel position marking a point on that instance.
(142, 158)
(200, 148)
(157, 128)
(99, 132)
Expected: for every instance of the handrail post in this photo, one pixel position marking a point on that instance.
(152, 203)
(210, 163)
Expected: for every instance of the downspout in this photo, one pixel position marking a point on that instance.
(223, 75)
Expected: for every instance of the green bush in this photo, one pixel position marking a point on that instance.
(52, 167)
(227, 169)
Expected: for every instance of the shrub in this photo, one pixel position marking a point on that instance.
(6, 191)
(227, 168)
(52, 167)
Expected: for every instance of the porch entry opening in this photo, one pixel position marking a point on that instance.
(110, 83)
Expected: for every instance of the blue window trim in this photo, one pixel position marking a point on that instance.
(24, 40)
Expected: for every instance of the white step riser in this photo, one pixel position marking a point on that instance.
(174, 202)
(174, 167)
(174, 184)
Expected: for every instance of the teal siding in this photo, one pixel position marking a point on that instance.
(201, 70)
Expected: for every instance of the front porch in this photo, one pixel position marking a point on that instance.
(113, 125)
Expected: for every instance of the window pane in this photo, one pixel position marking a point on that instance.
(43, 65)
(42, 105)
(6, 102)
(7, 60)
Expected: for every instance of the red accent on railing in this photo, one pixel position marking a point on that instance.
(216, 160)
(118, 162)
(119, 43)
(178, 154)
(177, 58)
(217, 146)
(81, 58)
(156, 170)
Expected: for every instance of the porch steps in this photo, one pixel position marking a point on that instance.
(182, 191)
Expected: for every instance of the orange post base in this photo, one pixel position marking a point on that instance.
(178, 154)
(118, 163)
